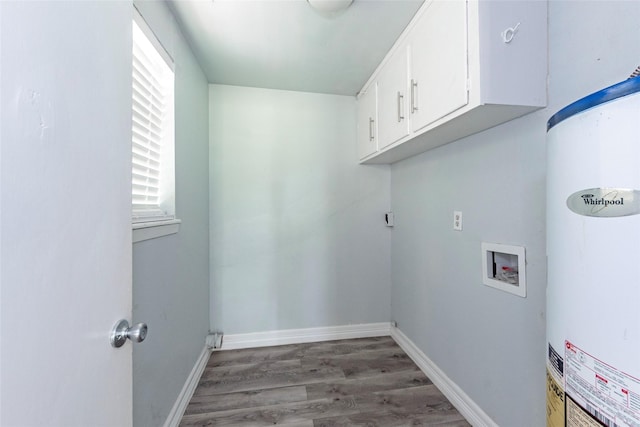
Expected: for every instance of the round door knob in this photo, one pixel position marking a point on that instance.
(138, 332)
(121, 331)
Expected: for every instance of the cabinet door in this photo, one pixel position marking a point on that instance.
(438, 83)
(392, 100)
(367, 123)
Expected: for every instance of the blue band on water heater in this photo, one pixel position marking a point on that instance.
(618, 90)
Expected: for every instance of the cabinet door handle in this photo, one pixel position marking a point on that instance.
(414, 96)
(371, 129)
(400, 99)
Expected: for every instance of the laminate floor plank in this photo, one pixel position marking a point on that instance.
(299, 351)
(347, 347)
(398, 406)
(386, 381)
(389, 419)
(406, 402)
(275, 414)
(425, 399)
(268, 380)
(362, 382)
(246, 399)
(365, 363)
(249, 369)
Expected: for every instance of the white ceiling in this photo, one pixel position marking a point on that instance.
(285, 44)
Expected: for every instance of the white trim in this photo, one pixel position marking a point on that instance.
(155, 41)
(488, 278)
(298, 336)
(150, 230)
(175, 416)
(458, 398)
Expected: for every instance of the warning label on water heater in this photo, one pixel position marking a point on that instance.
(605, 393)
(555, 402)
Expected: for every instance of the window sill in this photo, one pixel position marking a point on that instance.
(152, 230)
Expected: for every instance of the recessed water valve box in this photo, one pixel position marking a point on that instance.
(503, 267)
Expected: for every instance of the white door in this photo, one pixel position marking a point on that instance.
(392, 100)
(368, 123)
(65, 234)
(438, 63)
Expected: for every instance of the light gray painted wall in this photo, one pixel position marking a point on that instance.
(297, 232)
(492, 344)
(171, 274)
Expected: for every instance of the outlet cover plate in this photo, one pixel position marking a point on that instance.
(457, 220)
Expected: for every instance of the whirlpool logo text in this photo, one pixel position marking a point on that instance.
(605, 202)
(590, 199)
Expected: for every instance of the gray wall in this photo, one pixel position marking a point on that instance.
(297, 232)
(171, 274)
(492, 344)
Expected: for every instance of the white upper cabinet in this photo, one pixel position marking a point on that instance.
(460, 67)
(438, 83)
(367, 123)
(392, 99)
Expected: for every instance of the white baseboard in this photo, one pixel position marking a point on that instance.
(298, 336)
(173, 420)
(463, 403)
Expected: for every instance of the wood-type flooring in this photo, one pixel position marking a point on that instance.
(359, 382)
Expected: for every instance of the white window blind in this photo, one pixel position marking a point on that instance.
(152, 132)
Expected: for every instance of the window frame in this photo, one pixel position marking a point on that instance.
(157, 220)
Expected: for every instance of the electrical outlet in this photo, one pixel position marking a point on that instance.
(457, 220)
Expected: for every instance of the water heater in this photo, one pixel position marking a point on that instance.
(593, 253)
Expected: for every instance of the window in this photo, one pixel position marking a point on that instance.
(153, 175)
